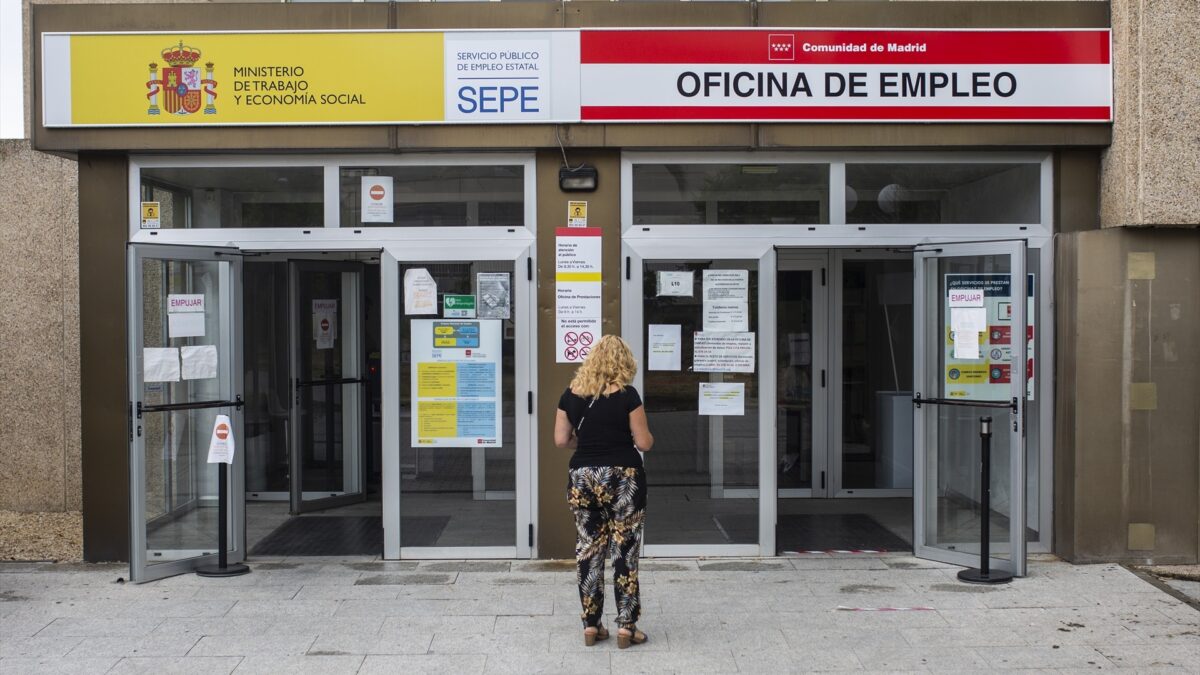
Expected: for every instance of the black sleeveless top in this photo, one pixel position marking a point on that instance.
(605, 438)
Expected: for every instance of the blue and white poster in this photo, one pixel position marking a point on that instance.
(456, 379)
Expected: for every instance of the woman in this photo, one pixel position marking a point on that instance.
(601, 417)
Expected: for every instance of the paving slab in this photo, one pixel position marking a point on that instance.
(185, 665)
(808, 613)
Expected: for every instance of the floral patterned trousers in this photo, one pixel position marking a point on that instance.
(609, 503)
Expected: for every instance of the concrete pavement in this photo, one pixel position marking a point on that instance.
(812, 613)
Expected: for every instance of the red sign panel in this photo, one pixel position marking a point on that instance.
(846, 75)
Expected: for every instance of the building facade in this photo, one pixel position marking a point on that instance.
(387, 308)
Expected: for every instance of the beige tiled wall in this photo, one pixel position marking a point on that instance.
(1151, 174)
(39, 331)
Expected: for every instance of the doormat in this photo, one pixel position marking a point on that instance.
(324, 535)
(816, 532)
(345, 535)
(835, 532)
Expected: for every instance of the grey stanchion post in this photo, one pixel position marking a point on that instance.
(984, 574)
(222, 568)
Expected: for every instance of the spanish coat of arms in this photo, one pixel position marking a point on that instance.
(183, 89)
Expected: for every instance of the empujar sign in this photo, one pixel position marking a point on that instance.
(574, 76)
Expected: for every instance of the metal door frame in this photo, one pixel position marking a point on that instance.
(823, 332)
(838, 258)
(351, 300)
(230, 352)
(635, 253)
(1016, 250)
(519, 249)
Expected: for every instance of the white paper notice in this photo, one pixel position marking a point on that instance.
(573, 299)
(677, 284)
(968, 319)
(723, 352)
(493, 294)
(199, 362)
(720, 398)
(185, 315)
(577, 292)
(664, 347)
(966, 344)
(325, 322)
(577, 250)
(185, 302)
(726, 285)
(420, 292)
(967, 323)
(377, 199)
(966, 297)
(221, 447)
(185, 325)
(725, 316)
(160, 365)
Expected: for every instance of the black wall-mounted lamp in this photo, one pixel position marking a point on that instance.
(582, 178)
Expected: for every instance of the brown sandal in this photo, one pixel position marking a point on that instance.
(589, 639)
(634, 637)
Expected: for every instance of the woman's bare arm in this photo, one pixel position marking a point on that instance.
(564, 433)
(642, 437)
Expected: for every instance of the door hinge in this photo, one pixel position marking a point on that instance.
(822, 480)
(822, 276)
(822, 378)
(529, 269)
(531, 535)
(531, 403)
(628, 263)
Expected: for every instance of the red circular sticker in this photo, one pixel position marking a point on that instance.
(222, 431)
(377, 192)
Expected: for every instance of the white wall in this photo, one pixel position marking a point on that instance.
(12, 79)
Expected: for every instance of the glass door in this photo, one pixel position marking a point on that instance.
(971, 362)
(457, 428)
(184, 360)
(700, 347)
(328, 416)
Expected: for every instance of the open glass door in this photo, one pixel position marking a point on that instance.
(184, 366)
(328, 422)
(970, 362)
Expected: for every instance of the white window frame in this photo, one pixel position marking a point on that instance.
(332, 236)
(643, 243)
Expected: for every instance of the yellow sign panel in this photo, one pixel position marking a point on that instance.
(437, 419)
(437, 380)
(966, 374)
(257, 78)
(151, 216)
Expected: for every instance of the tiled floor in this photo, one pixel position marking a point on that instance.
(796, 614)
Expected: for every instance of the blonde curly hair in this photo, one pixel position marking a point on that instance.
(610, 362)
